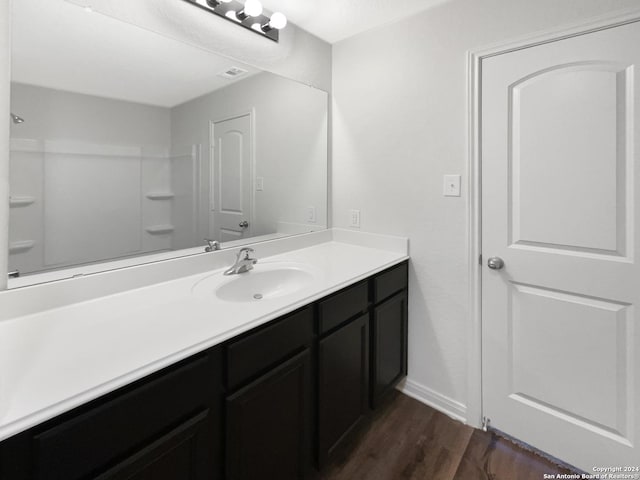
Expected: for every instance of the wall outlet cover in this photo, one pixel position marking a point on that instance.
(354, 218)
(451, 186)
(311, 214)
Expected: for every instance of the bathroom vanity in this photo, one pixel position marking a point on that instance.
(140, 359)
(274, 397)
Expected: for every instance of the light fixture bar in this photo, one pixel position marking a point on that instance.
(241, 14)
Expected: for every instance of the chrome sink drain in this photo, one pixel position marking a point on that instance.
(258, 296)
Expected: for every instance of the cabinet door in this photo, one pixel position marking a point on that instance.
(179, 454)
(389, 346)
(343, 373)
(269, 424)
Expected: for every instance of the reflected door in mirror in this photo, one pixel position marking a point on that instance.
(231, 209)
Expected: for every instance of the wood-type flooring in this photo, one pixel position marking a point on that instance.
(409, 440)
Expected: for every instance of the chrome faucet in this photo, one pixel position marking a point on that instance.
(212, 246)
(243, 263)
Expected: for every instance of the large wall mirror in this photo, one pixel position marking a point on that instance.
(125, 143)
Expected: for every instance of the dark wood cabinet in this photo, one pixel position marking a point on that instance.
(362, 354)
(343, 381)
(389, 321)
(261, 349)
(342, 306)
(298, 385)
(389, 282)
(269, 407)
(269, 424)
(389, 346)
(168, 422)
(181, 453)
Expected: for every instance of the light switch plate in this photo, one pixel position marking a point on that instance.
(354, 218)
(259, 184)
(451, 186)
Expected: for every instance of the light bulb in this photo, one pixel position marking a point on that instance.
(278, 21)
(252, 8)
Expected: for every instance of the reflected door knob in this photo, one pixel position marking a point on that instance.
(243, 224)
(495, 263)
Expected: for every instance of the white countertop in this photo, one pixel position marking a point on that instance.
(54, 360)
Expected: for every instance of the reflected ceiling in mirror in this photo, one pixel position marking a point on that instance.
(134, 145)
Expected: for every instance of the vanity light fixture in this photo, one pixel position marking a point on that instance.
(248, 14)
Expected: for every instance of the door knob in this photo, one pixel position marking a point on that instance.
(495, 263)
(243, 224)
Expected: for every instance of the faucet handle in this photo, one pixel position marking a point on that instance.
(246, 251)
(212, 245)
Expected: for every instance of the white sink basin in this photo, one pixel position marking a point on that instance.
(265, 282)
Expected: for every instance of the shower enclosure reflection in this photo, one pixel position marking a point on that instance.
(95, 179)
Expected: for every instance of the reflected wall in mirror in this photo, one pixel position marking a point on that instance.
(133, 143)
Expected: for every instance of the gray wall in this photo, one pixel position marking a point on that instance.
(399, 124)
(290, 145)
(54, 114)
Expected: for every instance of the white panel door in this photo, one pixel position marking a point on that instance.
(560, 320)
(231, 209)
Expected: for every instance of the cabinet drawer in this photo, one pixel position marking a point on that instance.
(118, 427)
(259, 351)
(340, 307)
(389, 282)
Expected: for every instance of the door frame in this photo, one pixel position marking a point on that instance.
(474, 411)
(211, 204)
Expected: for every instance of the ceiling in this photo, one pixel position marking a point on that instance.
(60, 45)
(335, 20)
(56, 44)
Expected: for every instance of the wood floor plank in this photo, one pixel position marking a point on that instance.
(407, 440)
(438, 451)
(389, 435)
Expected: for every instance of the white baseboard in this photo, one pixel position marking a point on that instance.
(442, 403)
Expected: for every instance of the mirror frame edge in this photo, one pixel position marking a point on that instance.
(5, 82)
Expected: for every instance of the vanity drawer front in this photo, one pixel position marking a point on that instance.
(263, 349)
(114, 429)
(387, 283)
(342, 306)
